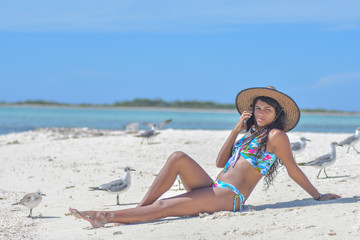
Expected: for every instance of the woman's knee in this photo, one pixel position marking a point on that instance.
(176, 156)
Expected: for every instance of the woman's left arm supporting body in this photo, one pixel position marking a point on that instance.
(280, 145)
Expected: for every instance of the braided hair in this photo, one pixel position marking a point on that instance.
(278, 123)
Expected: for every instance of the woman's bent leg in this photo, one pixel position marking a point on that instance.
(191, 203)
(190, 172)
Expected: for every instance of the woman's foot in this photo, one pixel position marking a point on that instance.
(97, 219)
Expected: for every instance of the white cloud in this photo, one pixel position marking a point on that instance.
(338, 79)
(167, 15)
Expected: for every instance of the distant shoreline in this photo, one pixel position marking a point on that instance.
(180, 109)
(123, 107)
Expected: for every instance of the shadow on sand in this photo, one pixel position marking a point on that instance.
(44, 217)
(343, 176)
(122, 204)
(302, 203)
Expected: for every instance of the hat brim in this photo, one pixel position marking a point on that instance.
(245, 98)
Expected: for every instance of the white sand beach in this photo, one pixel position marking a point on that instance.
(64, 163)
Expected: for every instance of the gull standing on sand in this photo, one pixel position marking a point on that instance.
(323, 161)
(352, 140)
(117, 186)
(298, 147)
(31, 200)
(148, 134)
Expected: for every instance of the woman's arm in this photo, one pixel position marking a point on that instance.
(225, 151)
(280, 145)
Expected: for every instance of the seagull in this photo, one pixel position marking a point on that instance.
(352, 140)
(323, 161)
(298, 147)
(31, 200)
(117, 186)
(152, 132)
(148, 134)
(156, 127)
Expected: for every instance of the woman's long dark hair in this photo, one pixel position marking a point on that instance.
(278, 123)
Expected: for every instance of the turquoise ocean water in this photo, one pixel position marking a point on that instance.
(18, 119)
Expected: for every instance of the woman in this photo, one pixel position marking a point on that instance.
(266, 114)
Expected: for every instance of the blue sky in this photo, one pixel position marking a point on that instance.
(105, 51)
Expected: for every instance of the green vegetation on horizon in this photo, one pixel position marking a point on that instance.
(137, 102)
(155, 103)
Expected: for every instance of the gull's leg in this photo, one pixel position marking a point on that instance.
(117, 200)
(319, 172)
(325, 173)
(179, 182)
(355, 149)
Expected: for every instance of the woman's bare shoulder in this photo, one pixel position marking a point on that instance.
(277, 134)
(278, 137)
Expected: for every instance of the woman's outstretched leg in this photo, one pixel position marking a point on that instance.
(206, 199)
(179, 163)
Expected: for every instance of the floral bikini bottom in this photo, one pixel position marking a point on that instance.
(220, 184)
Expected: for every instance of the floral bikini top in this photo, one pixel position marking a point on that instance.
(249, 151)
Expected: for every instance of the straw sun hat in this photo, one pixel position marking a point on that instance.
(245, 98)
